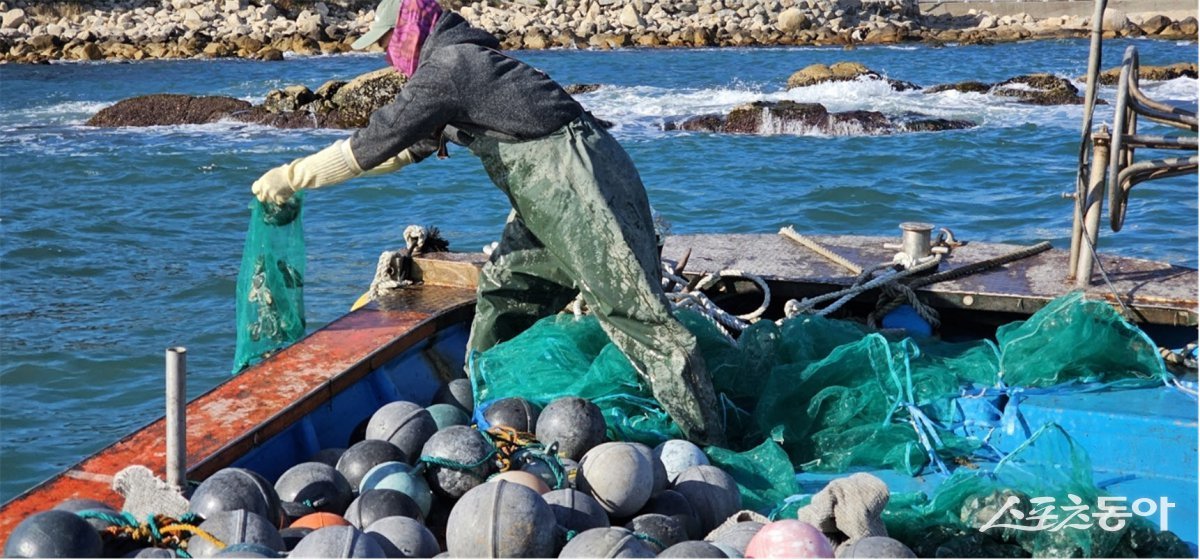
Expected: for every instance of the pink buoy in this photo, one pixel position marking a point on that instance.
(789, 538)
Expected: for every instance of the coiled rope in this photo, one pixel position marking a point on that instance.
(157, 530)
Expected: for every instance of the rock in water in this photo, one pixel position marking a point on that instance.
(500, 520)
(164, 109)
(617, 475)
(355, 101)
(1039, 89)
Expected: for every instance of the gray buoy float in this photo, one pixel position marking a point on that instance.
(607, 542)
(617, 475)
(363, 456)
(542, 470)
(247, 550)
(152, 553)
(231, 489)
(457, 459)
(692, 549)
(501, 520)
(660, 473)
(575, 510)
(673, 504)
(379, 503)
(711, 492)
(53, 534)
(80, 505)
(512, 412)
(402, 537)
(342, 541)
(677, 455)
(292, 535)
(317, 486)
(445, 415)
(662, 531)
(736, 536)
(329, 456)
(877, 547)
(234, 527)
(394, 475)
(575, 424)
(457, 392)
(403, 424)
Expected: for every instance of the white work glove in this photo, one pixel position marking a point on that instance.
(329, 166)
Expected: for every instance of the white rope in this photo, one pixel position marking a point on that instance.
(682, 296)
(794, 308)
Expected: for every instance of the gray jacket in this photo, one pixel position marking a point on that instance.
(462, 88)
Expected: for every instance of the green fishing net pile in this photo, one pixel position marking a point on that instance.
(270, 286)
(826, 395)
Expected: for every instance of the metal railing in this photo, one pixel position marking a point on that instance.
(1112, 168)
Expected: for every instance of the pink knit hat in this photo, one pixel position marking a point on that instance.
(413, 24)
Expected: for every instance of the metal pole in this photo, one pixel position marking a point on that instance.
(1089, 100)
(177, 417)
(1094, 201)
(1076, 229)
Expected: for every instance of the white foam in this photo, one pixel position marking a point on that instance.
(642, 109)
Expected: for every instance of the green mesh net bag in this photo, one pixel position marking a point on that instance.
(1020, 508)
(1091, 342)
(270, 286)
(565, 355)
(764, 474)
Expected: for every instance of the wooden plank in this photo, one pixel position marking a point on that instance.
(1156, 292)
(260, 402)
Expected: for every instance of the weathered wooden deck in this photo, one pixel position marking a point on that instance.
(1156, 293)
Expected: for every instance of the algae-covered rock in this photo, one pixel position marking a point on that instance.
(1039, 89)
(167, 109)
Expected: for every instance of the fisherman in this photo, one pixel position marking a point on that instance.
(580, 219)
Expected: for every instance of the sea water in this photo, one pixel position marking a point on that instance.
(118, 243)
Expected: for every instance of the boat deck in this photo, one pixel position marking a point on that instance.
(1156, 293)
(227, 423)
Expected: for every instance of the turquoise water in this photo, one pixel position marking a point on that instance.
(119, 243)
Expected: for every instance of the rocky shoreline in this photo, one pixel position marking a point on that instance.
(34, 31)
